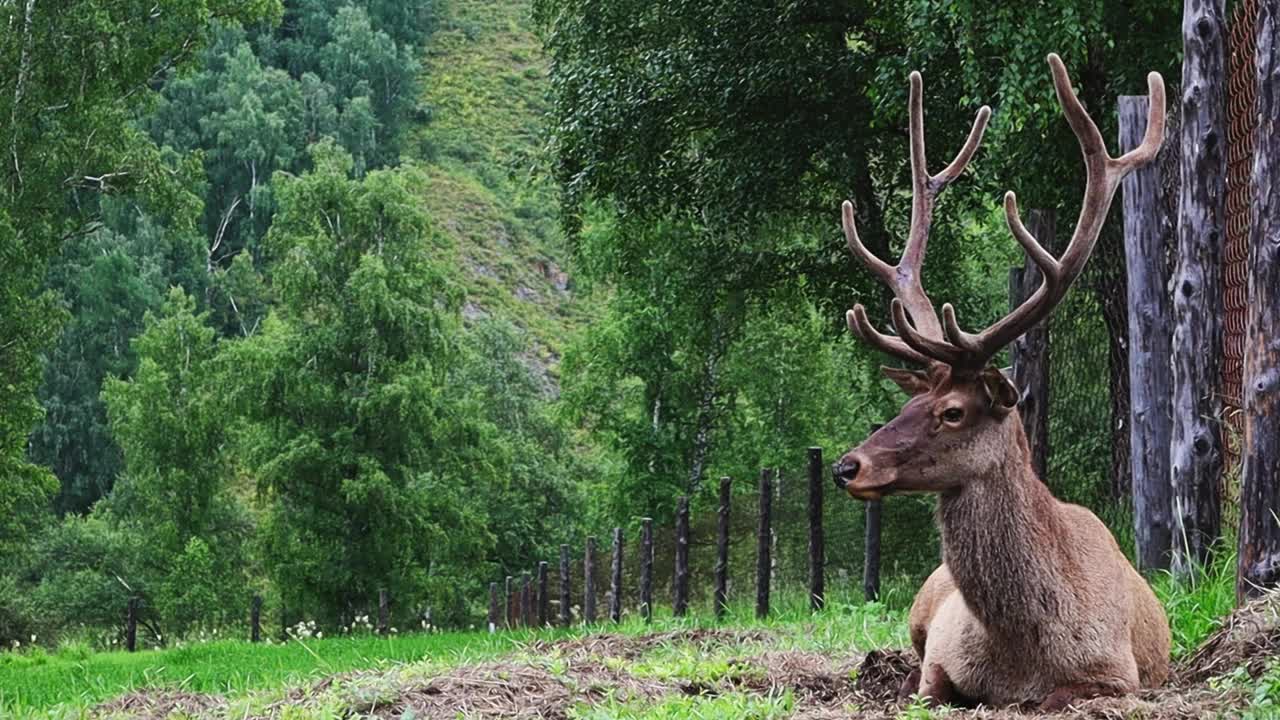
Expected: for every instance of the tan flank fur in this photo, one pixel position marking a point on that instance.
(1035, 602)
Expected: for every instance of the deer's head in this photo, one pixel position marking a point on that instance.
(961, 421)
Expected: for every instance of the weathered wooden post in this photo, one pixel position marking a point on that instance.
(493, 607)
(681, 604)
(255, 619)
(817, 541)
(384, 612)
(543, 601)
(764, 542)
(509, 590)
(1259, 549)
(720, 600)
(615, 578)
(566, 588)
(1150, 332)
(526, 602)
(589, 583)
(1030, 353)
(1196, 440)
(871, 547)
(131, 625)
(646, 569)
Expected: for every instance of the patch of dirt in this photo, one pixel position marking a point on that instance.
(882, 672)
(159, 704)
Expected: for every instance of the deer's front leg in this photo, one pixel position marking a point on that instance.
(910, 685)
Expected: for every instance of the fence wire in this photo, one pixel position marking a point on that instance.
(1242, 120)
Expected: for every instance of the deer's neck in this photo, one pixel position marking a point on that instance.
(1001, 538)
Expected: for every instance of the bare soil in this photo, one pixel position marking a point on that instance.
(550, 679)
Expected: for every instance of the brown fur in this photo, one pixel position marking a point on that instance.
(1035, 601)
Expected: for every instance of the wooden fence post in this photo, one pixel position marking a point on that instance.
(1030, 353)
(543, 601)
(764, 541)
(615, 585)
(681, 604)
(1196, 440)
(589, 583)
(384, 612)
(720, 600)
(493, 607)
(510, 592)
(646, 569)
(1259, 544)
(255, 619)
(817, 541)
(1150, 330)
(566, 588)
(871, 548)
(526, 602)
(131, 625)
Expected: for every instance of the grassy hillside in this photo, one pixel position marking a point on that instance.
(486, 90)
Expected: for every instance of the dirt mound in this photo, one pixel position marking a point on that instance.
(1248, 638)
(159, 704)
(881, 673)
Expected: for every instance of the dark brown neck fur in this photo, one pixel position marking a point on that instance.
(1002, 541)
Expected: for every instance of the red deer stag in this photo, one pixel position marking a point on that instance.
(1034, 602)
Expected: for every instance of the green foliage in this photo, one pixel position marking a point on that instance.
(65, 148)
(107, 281)
(188, 594)
(354, 436)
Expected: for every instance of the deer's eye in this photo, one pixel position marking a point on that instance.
(953, 415)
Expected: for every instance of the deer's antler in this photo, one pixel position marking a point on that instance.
(921, 339)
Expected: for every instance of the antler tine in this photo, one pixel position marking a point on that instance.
(877, 266)
(1154, 136)
(1102, 177)
(904, 278)
(934, 348)
(861, 326)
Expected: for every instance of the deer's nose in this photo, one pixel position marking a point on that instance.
(843, 472)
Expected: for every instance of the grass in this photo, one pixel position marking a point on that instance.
(34, 683)
(63, 685)
(730, 706)
(1197, 604)
(39, 680)
(484, 152)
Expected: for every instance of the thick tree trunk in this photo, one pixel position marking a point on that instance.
(1150, 329)
(1259, 558)
(1196, 443)
(1030, 353)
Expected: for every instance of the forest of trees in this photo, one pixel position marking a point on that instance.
(238, 354)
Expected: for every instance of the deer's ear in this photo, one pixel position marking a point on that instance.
(1000, 391)
(912, 382)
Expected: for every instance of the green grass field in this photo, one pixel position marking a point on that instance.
(63, 683)
(40, 680)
